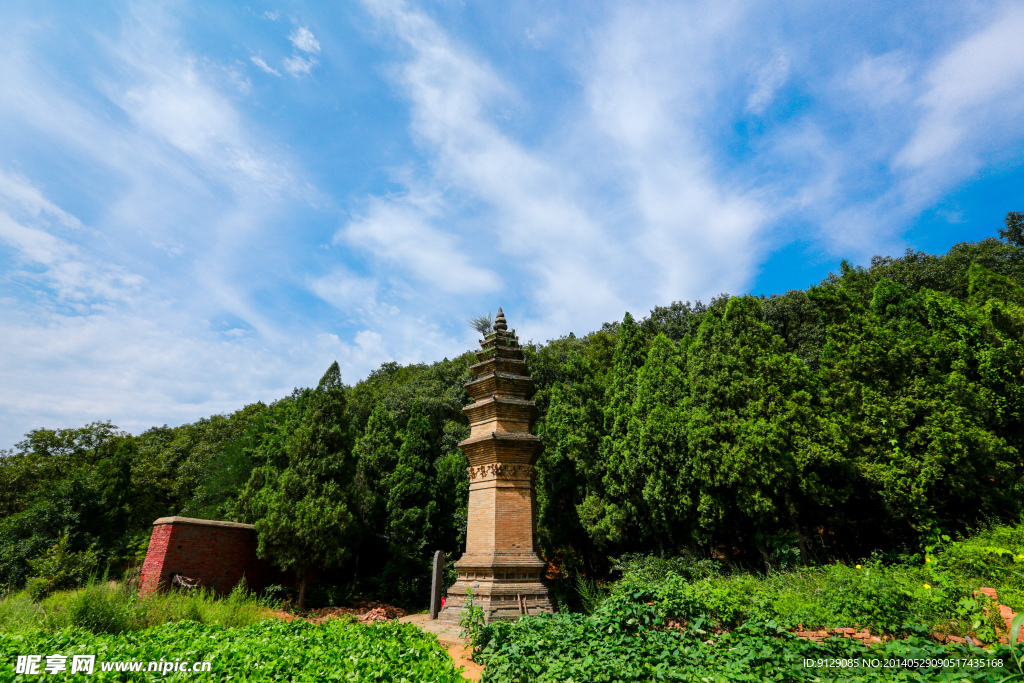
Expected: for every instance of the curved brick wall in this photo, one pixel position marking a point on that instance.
(216, 553)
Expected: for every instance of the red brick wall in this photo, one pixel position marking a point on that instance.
(216, 553)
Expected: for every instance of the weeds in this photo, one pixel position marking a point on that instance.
(111, 607)
(471, 620)
(591, 594)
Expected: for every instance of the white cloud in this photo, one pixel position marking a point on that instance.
(112, 309)
(347, 291)
(258, 61)
(882, 80)
(977, 87)
(17, 191)
(770, 77)
(298, 65)
(674, 232)
(302, 38)
(399, 232)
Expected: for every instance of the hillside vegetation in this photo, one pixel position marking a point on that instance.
(875, 412)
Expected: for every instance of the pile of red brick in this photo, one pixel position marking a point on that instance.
(363, 610)
(862, 635)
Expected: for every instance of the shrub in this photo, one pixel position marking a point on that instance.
(60, 568)
(725, 602)
(589, 593)
(639, 569)
(868, 596)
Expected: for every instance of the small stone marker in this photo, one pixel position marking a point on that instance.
(437, 584)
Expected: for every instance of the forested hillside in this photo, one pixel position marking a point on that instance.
(861, 414)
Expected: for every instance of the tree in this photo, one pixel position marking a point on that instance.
(752, 430)
(376, 453)
(656, 459)
(410, 504)
(1014, 231)
(570, 468)
(610, 514)
(303, 509)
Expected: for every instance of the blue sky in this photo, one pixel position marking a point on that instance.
(204, 204)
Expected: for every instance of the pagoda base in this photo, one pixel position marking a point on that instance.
(505, 586)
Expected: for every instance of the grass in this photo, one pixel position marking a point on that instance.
(110, 607)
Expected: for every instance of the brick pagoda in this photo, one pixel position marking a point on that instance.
(500, 564)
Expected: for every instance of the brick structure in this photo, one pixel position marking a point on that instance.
(500, 564)
(216, 553)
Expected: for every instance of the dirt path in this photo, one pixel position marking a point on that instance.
(448, 636)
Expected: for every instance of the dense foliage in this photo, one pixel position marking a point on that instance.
(875, 411)
(689, 619)
(625, 646)
(340, 650)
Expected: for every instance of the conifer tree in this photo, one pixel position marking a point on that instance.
(376, 453)
(660, 494)
(610, 514)
(571, 469)
(303, 511)
(410, 505)
(749, 420)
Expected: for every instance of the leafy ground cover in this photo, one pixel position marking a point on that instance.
(338, 650)
(612, 646)
(910, 595)
(737, 624)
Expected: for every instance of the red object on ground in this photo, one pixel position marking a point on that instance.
(215, 553)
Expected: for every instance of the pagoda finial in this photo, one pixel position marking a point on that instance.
(499, 323)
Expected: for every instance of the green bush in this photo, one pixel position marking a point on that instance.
(724, 602)
(638, 569)
(60, 568)
(868, 597)
(111, 607)
(992, 557)
(589, 593)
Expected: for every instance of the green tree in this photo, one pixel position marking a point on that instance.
(609, 515)
(376, 453)
(411, 507)
(752, 430)
(655, 458)
(302, 500)
(571, 469)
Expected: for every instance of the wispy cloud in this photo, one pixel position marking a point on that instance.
(297, 65)
(302, 38)
(977, 86)
(770, 77)
(258, 61)
(125, 305)
(674, 233)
